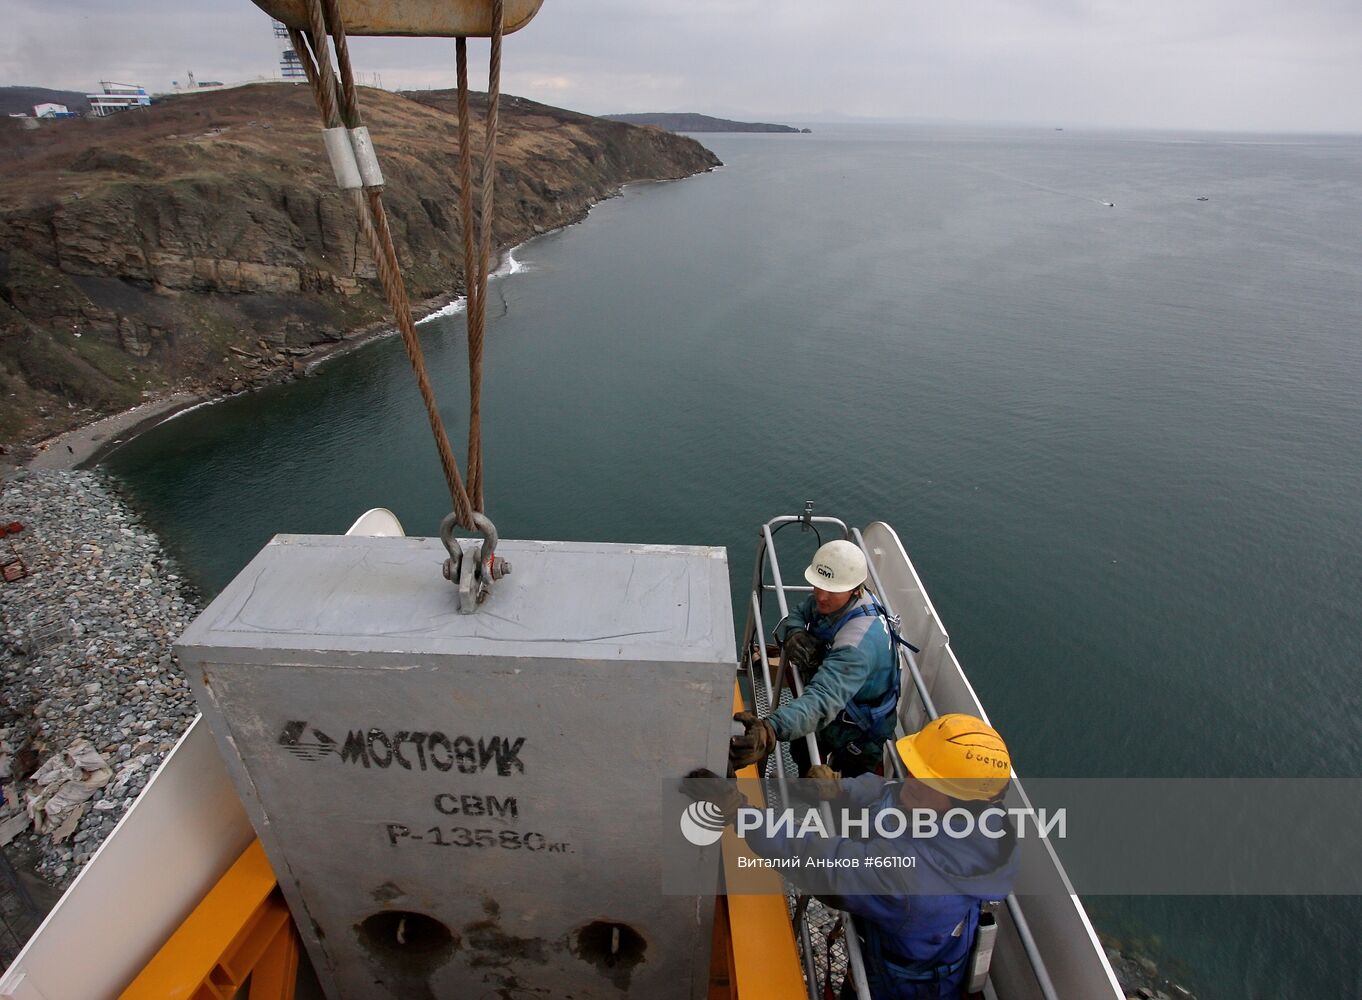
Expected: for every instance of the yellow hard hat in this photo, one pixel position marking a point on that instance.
(958, 755)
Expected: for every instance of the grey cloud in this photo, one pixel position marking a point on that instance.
(1239, 64)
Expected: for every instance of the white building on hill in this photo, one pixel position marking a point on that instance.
(118, 97)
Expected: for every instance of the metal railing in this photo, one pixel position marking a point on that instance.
(758, 671)
(754, 646)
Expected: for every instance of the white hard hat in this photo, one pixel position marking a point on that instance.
(837, 567)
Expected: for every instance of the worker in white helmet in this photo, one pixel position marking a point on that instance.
(838, 641)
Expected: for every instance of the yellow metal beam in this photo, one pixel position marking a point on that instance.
(469, 18)
(721, 955)
(276, 974)
(241, 926)
(765, 957)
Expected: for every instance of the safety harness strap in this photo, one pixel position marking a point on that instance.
(867, 716)
(893, 967)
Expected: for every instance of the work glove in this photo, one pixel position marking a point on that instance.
(703, 785)
(827, 783)
(754, 745)
(803, 652)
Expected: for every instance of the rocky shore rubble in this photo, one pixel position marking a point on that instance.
(1139, 976)
(91, 698)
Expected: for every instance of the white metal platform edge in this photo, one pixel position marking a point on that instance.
(1074, 956)
(180, 836)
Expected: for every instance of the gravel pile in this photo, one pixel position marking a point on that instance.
(1140, 979)
(85, 649)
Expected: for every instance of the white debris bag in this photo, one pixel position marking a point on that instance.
(13, 818)
(62, 786)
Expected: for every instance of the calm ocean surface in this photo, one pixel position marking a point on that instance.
(1123, 445)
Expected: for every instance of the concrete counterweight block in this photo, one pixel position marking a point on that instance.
(466, 805)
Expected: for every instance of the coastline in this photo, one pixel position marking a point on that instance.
(85, 446)
(112, 309)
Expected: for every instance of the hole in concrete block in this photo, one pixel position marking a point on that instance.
(614, 948)
(392, 934)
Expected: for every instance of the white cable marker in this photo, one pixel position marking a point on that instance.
(366, 157)
(342, 156)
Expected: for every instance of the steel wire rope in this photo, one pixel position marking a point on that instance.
(470, 268)
(477, 308)
(373, 221)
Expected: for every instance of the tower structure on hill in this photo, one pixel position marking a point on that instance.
(290, 68)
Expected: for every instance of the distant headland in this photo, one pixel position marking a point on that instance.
(686, 122)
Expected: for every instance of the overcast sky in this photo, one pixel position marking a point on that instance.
(1226, 64)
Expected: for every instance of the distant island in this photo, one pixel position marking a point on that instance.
(685, 122)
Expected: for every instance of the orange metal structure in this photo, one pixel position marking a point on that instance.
(467, 18)
(763, 955)
(240, 932)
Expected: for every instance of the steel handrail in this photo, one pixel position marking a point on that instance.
(914, 671)
(772, 696)
(766, 552)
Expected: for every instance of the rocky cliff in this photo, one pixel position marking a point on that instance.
(201, 243)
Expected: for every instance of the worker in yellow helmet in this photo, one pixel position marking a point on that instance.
(919, 946)
(916, 924)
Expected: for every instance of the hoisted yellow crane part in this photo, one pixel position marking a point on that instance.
(442, 18)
